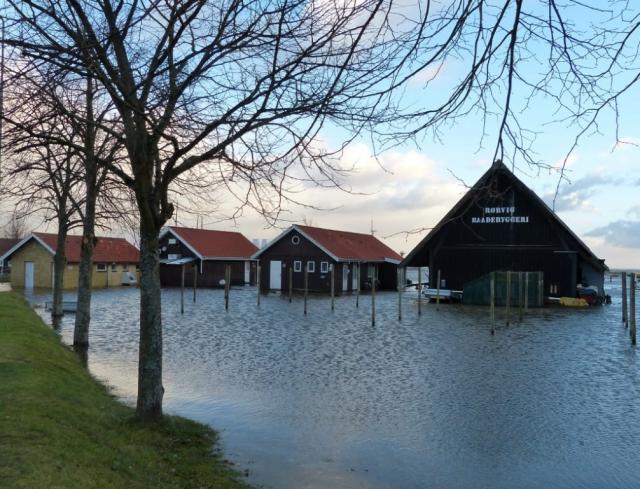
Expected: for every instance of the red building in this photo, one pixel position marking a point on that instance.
(356, 258)
(207, 253)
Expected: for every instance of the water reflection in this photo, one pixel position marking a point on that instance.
(326, 401)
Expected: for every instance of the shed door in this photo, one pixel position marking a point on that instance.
(247, 272)
(28, 275)
(345, 277)
(275, 275)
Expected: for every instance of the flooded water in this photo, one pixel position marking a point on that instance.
(328, 401)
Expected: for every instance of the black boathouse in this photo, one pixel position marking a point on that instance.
(502, 225)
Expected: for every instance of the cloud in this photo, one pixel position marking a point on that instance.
(625, 233)
(634, 212)
(576, 195)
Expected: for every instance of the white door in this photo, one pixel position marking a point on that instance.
(28, 275)
(247, 272)
(355, 276)
(345, 277)
(275, 275)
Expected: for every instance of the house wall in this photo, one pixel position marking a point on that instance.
(210, 275)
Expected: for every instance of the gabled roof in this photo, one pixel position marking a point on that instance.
(5, 245)
(483, 183)
(107, 250)
(343, 245)
(209, 244)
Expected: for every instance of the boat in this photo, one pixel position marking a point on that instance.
(445, 295)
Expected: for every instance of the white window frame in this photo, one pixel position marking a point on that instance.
(324, 267)
(172, 241)
(311, 266)
(297, 265)
(101, 267)
(114, 267)
(173, 256)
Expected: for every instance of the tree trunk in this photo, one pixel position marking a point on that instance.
(59, 264)
(85, 273)
(150, 390)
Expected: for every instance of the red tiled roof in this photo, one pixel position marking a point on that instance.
(6, 244)
(216, 244)
(350, 246)
(107, 250)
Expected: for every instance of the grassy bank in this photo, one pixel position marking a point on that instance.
(59, 428)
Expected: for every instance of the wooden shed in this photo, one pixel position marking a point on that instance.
(356, 257)
(207, 253)
(502, 225)
(115, 261)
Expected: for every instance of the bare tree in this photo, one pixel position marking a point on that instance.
(16, 226)
(237, 92)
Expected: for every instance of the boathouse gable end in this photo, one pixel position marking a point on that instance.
(500, 224)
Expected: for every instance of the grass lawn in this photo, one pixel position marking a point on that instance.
(59, 428)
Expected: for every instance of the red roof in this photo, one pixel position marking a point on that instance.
(209, 243)
(107, 250)
(6, 244)
(350, 246)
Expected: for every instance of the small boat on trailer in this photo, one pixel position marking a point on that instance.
(445, 295)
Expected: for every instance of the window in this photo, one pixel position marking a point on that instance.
(311, 266)
(371, 272)
(101, 267)
(324, 266)
(297, 266)
(114, 267)
(172, 256)
(295, 239)
(125, 267)
(172, 241)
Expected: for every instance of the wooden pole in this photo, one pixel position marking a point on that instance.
(195, 281)
(358, 288)
(438, 291)
(526, 291)
(632, 308)
(520, 286)
(333, 287)
(508, 297)
(493, 303)
(306, 286)
(182, 291)
(227, 286)
(399, 277)
(290, 284)
(625, 320)
(540, 289)
(258, 284)
(373, 297)
(419, 291)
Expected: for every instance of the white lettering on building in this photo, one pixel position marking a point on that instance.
(492, 215)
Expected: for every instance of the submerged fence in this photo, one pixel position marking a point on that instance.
(513, 288)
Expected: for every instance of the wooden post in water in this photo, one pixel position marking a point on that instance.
(526, 291)
(520, 286)
(508, 297)
(227, 286)
(182, 291)
(492, 303)
(438, 291)
(333, 287)
(632, 308)
(399, 277)
(419, 291)
(373, 297)
(625, 319)
(258, 285)
(358, 288)
(290, 284)
(195, 281)
(306, 286)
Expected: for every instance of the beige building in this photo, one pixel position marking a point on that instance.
(31, 259)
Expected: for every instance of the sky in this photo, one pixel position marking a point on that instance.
(406, 190)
